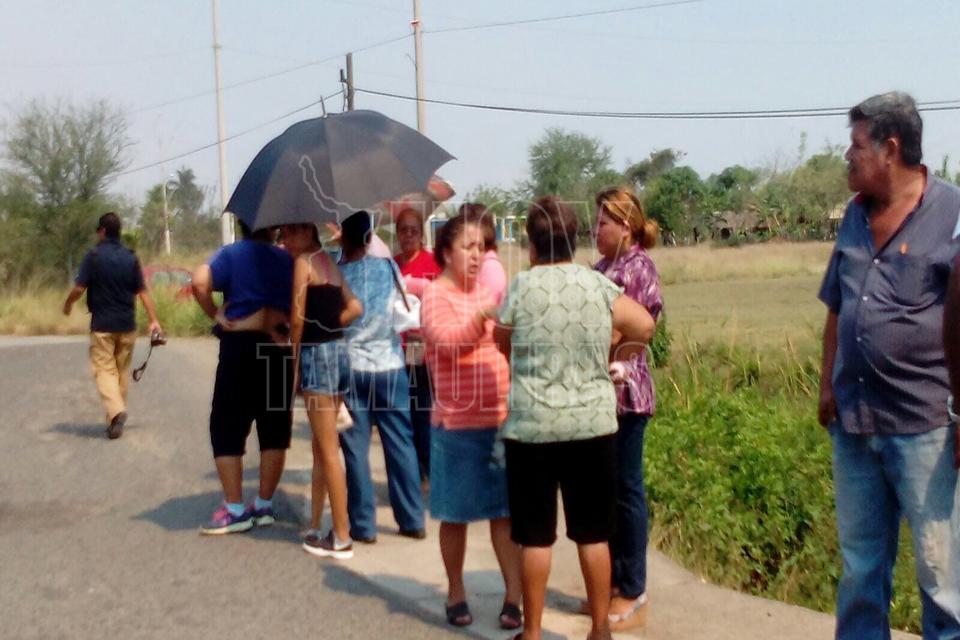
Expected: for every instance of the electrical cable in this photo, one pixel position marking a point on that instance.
(267, 76)
(227, 138)
(569, 16)
(938, 105)
(102, 63)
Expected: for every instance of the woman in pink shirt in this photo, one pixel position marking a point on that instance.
(492, 274)
(471, 380)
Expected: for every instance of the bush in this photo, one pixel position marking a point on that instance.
(178, 317)
(659, 351)
(739, 478)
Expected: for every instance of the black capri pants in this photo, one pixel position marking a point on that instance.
(254, 383)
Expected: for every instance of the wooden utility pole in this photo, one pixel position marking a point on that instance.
(226, 221)
(348, 81)
(418, 63)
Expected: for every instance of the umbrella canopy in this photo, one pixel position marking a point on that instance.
(324, 169)
(438, 190)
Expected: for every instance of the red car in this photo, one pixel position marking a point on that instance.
(174, 278)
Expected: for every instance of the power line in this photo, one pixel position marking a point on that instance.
(268, 76)
(814, 112)
(230, 137)
(569, 16)
(103, 63)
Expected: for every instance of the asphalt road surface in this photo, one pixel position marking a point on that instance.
(98, 538)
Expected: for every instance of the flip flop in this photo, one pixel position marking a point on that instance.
(459, 614)
(635, 616)
(510, 617)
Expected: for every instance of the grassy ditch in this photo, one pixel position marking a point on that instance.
(739, 477)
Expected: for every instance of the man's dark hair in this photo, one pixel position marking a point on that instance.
(110, 223)
(893, 115)
(266, 234)
(356, 230)
(446, 235)
(552, 229)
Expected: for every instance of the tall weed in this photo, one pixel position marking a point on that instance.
(739, 477)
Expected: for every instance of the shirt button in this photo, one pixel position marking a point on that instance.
(865, 298)
(859, 339)
(876, 261)
(860, 378)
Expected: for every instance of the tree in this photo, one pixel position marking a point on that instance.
(191, 227)
(498, 200)
(645, 171)
(676, 201)
(62, 158)
(944, 171)
(731, 189)
(800, 202)
(572, 166)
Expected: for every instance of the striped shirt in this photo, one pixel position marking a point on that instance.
(471, 378)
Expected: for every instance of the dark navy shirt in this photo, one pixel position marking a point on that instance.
(890, 376)
(252, 274)
(113, 278)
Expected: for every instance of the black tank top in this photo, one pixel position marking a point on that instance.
(322, 321)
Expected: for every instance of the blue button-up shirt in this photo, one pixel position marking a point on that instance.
(890, 376)
(111, 273)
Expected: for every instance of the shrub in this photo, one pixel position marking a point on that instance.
(659, 351)
(739, 478)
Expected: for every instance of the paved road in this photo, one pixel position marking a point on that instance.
(98, 539)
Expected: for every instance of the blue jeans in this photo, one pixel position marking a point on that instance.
(421, 404)
(381, 397)
(877, 479)
(628, 547)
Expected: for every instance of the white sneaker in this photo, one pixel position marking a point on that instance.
(329, 547)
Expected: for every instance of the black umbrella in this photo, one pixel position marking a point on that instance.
(324, 169)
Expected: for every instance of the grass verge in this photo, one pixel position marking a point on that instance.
(739, 477)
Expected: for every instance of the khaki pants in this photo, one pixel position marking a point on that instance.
(110, 358)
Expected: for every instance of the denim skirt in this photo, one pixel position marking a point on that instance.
(468, 475)
(324, 367)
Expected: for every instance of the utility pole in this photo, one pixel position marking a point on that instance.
(348, 81)
(418, 63)
(166, 216)
(226, 221)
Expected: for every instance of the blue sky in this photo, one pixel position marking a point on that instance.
(714, 54)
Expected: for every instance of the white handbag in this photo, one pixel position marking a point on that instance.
(406, 307)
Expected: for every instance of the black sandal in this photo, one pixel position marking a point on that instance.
(459, 614)
(511, 617)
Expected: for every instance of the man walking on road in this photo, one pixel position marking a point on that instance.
(884, 382)
(111, 275)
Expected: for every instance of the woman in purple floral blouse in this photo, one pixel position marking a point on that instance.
(623, 235)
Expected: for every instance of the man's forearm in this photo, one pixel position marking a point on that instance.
(829, 351)
(72, 297)
(149, 306)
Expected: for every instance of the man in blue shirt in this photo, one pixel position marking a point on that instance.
(111, 276)
(255, 372)
(884, 383)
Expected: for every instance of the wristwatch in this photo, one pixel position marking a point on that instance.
(953, 417)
